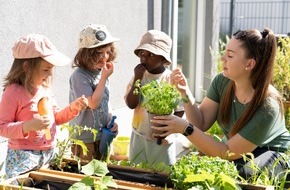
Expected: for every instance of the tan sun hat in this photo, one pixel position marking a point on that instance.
(36, 45)
(157, 42)
(95, 35)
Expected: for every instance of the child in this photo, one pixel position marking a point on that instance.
(26, 83)
(94, 62)
(154, 54)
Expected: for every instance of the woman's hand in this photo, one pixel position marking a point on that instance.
(174, 124)
(178, 79)
(79, 104)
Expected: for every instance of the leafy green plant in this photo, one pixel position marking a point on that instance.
(158, 98)
(215, 129)
(265, 176)
(218, 54)
(204, 172)
(287, 117)
(65, 144)
(95, 168)
(281, 79)
(159, 167)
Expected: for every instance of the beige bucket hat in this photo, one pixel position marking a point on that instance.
(157, 42)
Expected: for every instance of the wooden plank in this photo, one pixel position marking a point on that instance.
(72, 178)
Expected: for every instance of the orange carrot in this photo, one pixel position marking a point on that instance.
(43, 109)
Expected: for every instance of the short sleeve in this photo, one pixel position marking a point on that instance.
(217, 88)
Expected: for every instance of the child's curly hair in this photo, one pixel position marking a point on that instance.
(86, 57)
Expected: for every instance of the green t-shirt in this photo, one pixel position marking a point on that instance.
(265, 129)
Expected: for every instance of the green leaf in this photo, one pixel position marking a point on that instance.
(88, 181)
(228, 182)
(199, 177)
(81, 144)
(79, 185)
(108, 181)
(95, 167)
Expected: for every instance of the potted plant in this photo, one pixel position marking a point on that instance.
(158, 98)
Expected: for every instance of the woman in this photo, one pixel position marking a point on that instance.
(246, 106)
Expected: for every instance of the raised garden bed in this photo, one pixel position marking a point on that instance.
(57, 180)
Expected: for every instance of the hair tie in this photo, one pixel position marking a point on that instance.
(264, 33)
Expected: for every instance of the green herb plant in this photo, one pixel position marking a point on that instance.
(95, 168)
(158, 98)
(203, 172)
(160, 167)
(64, 145)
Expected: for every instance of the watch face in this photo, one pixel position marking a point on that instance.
(189, 130)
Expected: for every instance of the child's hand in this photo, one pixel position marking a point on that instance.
(36, 124)
(107, 70)
(114, 129)
(139, 70)
(79, 104)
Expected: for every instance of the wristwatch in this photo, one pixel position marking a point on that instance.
(188, 130)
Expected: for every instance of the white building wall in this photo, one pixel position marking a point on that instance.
(61, 21)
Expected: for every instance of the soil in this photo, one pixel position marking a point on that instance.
(124, 173)
(141, 176)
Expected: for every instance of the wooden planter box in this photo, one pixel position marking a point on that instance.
(127, 178)
(255, 187)
(126, 173)
(66, 179)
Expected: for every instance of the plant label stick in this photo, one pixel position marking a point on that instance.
(43, 109)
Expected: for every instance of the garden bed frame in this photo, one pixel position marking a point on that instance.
(66, 177)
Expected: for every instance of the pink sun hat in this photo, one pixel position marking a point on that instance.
(36, 45)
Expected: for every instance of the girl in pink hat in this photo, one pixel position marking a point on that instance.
(31, 129)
